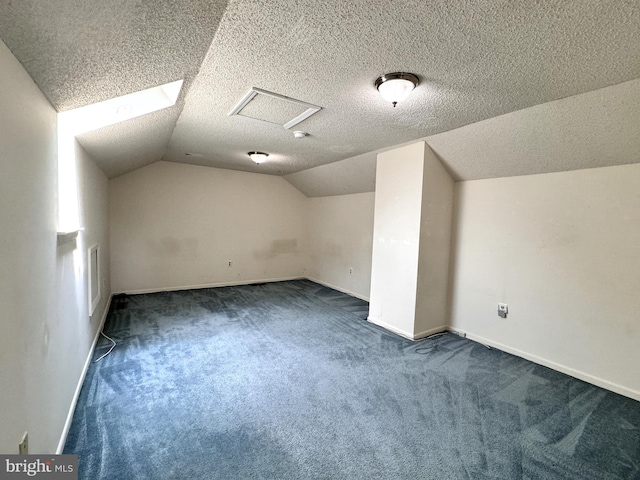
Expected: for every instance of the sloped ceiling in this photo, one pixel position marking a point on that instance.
(593, 129)
(475, 60)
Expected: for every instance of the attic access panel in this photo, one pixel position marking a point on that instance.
(273, 108)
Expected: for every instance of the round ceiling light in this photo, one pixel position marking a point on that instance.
(258, 157)
(395, 87)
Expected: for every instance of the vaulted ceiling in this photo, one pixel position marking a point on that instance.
(483, 65)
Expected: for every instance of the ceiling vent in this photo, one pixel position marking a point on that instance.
(273, 108)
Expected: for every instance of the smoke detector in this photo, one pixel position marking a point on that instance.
(300, 134)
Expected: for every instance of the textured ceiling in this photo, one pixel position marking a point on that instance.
(476, 60)
(140, 141)
(352, 175)
(593, 129)
(596, 129)
(84, 51)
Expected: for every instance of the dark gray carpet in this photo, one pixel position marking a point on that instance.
(288, 381)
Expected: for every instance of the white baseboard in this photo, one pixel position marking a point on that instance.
(205, 285)
(391, 328)
(76, 394)
(627, 392)
(239, 282)
(402, 333)
(614, 387)
(340, 289)
(431, 331)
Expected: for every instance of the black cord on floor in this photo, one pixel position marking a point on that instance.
(426, 350)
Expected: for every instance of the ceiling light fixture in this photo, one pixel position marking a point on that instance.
(395, 87)
(258, 157)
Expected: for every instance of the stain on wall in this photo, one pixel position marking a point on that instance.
(184, 248)
(285, 246)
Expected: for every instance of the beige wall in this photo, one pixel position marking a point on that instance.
(75, 330)
(412, 233)
(396, 233)
(27, 258)
(177, 226)
(563, 251)
(46, 330)
(339, 233)
(435, 246)
(93, 189)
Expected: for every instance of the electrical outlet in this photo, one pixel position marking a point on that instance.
(229, 264)
(350, 270)
(23, 446)
(503, 309)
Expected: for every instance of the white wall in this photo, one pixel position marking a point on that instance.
(563, 251)
(412, 233)
(27, 256)
(177, 226)
(396, 245)
(94, 218)
(339, 233)
(46, 331)
(74, 333)
(435, 247)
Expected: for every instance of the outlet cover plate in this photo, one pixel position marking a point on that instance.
(23, 446)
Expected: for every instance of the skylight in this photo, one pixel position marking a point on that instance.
(92, 117)
(119, 109)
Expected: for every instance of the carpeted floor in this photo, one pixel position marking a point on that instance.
(288, 381)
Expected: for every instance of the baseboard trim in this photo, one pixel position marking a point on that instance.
(402, 333)
(431, 331)
(391, 328)
(205, 285)
(597, 381)
(76, 394)
(340, 289)
(607, 385)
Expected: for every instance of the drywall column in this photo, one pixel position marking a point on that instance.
(411, 242)
(435, 247)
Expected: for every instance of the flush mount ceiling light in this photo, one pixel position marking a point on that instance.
(258, 157)
(395, 87)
